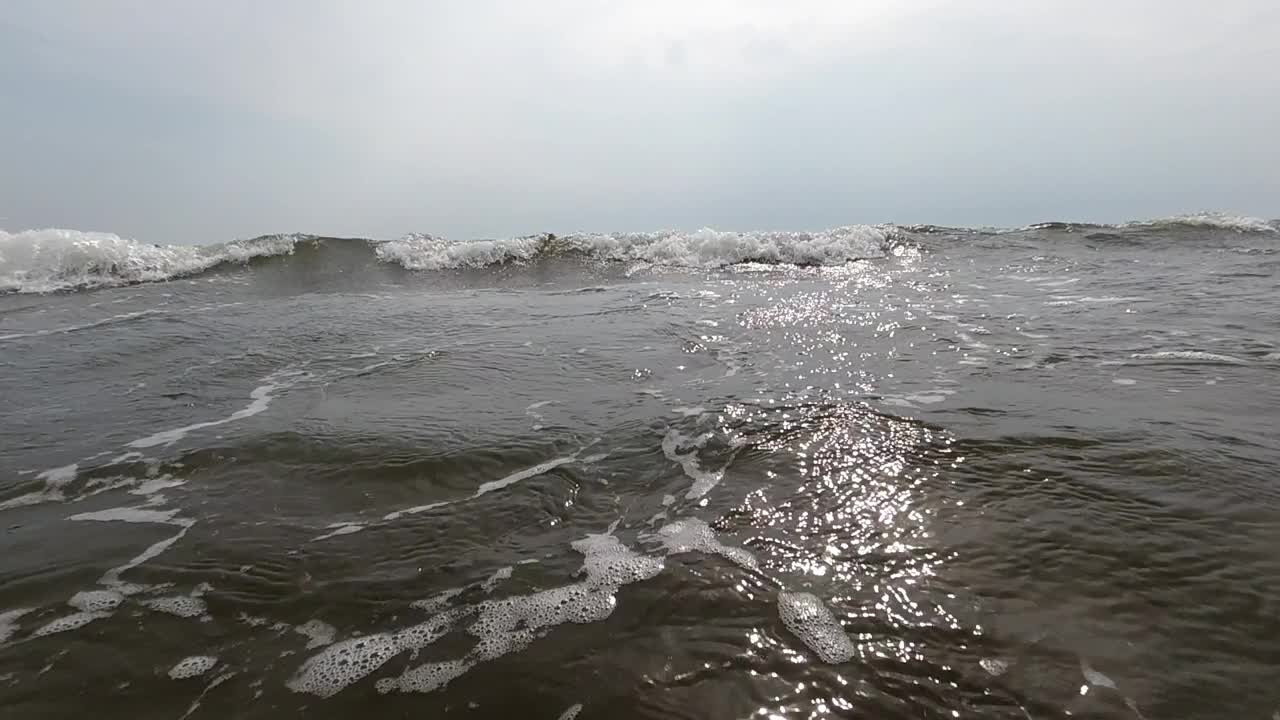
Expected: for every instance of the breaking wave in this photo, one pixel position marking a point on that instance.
(52, 260)
(41, 261)
(702, 249)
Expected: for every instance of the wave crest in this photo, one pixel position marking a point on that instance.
(1193, 221)
(38, 261)
(1209, 220)
(704, 248)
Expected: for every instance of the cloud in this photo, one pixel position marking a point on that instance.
(493, 117)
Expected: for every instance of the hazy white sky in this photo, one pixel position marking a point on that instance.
(195, 121)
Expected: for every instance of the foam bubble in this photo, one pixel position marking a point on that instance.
(183, 606)
(67, 623)
(423, 634)
(693, 535)
(809, 619)
(96, 601)
(571, 712)
(344, 663)
(500, 626)
(318, 632)
(194, 666)
(609, 563)
(425, 678)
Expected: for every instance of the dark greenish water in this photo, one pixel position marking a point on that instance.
(876, 472)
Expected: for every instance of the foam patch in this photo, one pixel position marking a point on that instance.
(344, 663)
(9, 623)
(425, 678)
(194, 666)
(96, 601)
(421, 635)
(68, 623)
(182, 606)
(500, 626)
(693, 535)
(810, 620)
(318, 632)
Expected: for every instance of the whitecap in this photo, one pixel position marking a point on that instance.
(41, 261)
(1190, 356)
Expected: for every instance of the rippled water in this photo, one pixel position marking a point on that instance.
(1017, 474)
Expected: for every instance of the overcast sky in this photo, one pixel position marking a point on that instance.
(197, 121)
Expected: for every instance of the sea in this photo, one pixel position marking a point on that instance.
(875, 471)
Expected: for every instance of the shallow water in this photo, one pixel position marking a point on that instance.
(980, 474)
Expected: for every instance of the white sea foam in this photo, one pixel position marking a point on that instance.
(339, 529)
(112, 320)
(9, 623)
(260, 397)
(111, 578)
(54, 482)
(96, 601)
(703, 480)
(502, 573)
(571, 713)
(492, 485)
(183, 606)
(436, 602)
(318, 633)
(809, 619)
(194, 666)
(344, 663)
(67, 623)
(37, 261)
(693, 535)
(425, 678)
(1194, 356)
(500, 626)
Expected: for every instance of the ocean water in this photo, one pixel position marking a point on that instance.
(875, 472)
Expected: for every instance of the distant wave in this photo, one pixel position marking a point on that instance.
(1200, 221)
